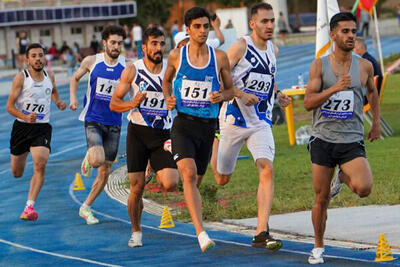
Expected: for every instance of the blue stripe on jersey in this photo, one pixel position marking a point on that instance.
(192, 101)
(155, 86)
(99, 106)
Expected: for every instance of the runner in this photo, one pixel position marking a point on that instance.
(22, 43)
(335, 93)
(196, 69)
(248, 116)
(149, 125)
(29, 101)
(102, 126)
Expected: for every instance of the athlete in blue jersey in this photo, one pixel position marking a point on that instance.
(195, 93)
(102, 126)
(149, 125)
(247, 118)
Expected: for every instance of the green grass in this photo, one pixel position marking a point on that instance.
(292, 168)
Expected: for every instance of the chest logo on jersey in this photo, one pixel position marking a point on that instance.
(48, 91)
(142, 86)
(208, 78)
(109, 69)
(273, 69)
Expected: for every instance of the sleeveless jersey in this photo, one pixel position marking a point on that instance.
(254, 74)
(101, 85)
(192, 86)
(152, 112)
(340, 118)
(35, 97)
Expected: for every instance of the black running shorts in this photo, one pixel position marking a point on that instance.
(192, 137)
(332, 154)
(25, 135)
(144, 143)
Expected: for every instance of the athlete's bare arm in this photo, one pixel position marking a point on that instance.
(235, 53)
(373, 100)
(61, 105)
(117, 102)
(85, 67)
(16, 89)
(314, 98)
(226, 92)
(173, 60)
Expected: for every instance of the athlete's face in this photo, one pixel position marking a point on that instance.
(154, 49)
(263, 24)
(36, 59)
(344, 35)
(198, 30)
(113, 45)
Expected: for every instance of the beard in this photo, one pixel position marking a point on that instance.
(113, 54)
(155, 60)
(345, 48)
(38, 69)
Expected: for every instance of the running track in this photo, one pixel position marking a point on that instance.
(60, 236)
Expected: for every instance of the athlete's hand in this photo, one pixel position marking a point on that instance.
(139, 97)
(216, 97)
(375, 132)
(283, 99)
(31, 118)
(344, 82)
(73, 104)
(61, 104)
(248, 99)
(171, 102)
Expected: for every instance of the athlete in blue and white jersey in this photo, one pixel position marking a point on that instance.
(248, 116)
(149, 125)
(102, 126)
(196, 93)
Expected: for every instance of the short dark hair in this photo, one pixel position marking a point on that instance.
(152, 31)
(254, 8)
(113, 29)
(195, 13)
(32, 46)
(341, 16)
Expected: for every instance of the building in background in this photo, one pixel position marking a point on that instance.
(58, 21)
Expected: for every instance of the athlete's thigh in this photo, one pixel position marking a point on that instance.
(40, 154)
(322, 176)
(231, 141)
(137, 154)
(111, 142)
(358, 171)
(261, 144)
(161, 159)
(94, 134)
(18, 163)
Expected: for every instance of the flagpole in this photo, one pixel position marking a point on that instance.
(378, 38)
(355, 6)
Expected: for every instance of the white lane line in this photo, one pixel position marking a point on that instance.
(71, 193)
(57, 254)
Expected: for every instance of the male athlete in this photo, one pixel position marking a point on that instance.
(248, 116)
(149, 125)
(335, 93)
(197, 69)
(29, 101)
(102, 126)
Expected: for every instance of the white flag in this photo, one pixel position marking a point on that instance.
(326, 10)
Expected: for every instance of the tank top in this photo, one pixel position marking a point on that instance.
(192, 86)
(101, 85)
(340, 118)
(254, 74)
(35, 97)
(152, 112)
(23, 45)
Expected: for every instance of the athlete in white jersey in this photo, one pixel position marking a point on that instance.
(29, 101)
(102, 126)
(248, 116)
(149, 125)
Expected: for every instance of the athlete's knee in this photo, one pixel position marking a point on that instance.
(222, 179)
(96, 161)
(170, 185)
(137, 189)
(189, 174)
(17, 173)
(40, 166)
(364, 191)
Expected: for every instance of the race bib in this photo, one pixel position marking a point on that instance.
(39, 107)
(258, 84)
(105, 88)
(339, 106)
(154, 104)
(195, 94)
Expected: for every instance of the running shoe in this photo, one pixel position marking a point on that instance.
(265, 240)
(205, 242)
(167, 146)
(316, 256)
(135, 240)
(29, 214)
(149, 173)
(336, 184)
(87, 214)
(86, 169)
